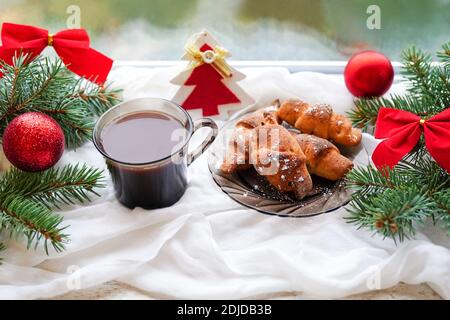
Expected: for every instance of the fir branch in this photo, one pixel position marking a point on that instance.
(96, 99)
(29, 84)
(376, 193)
(416, 69)
(364, 114)
(429, 88)
(22, 216)
(73, 118)
(442, 212)
(444, 55)
(427, 82)
(55, 186)
(440, 84)
(391, 213)
(423, 171)
(368, 180)
(46, 85)
(26, 200)
(392, 201)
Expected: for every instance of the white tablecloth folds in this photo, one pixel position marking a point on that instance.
(207, 245)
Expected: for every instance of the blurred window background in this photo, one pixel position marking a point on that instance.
(250, 29)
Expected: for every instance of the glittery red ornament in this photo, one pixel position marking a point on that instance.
(33, 142)
(368, 74)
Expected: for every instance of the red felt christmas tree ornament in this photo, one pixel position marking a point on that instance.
(368, 74)
(209, 82)
(33, 142)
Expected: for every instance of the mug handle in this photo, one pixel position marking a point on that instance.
(201, 123)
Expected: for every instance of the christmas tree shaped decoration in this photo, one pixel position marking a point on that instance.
(209, 82)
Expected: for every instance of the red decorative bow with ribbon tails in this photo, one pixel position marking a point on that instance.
(403, 130)
(72, 46)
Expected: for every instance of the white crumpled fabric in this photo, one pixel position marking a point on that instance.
(207, 245)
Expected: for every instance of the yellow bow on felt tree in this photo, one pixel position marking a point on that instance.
(215, 57)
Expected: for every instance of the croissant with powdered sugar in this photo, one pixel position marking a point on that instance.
(322, 157)
(237, 154)
(277, 156)
(319, 120)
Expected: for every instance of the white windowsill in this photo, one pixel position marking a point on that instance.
(331, 67)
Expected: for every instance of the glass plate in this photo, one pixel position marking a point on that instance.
(253, 191)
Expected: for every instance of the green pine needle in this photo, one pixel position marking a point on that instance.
(26, 200)
(444, 55)
(46, 85)
(364, 114)
(55, 186)
(380, 196)
(416, 69)
(393, 201)
(442, 212)
(20, 216)
(369, 180)
(391, 213)
(428, 90)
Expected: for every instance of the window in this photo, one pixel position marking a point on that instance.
(250, 29)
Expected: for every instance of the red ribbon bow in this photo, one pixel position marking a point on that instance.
(403, 130)
(72, 46)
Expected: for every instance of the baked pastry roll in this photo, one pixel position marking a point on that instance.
(237, 154)
(319, 120)
(322, 157)
(277, 156)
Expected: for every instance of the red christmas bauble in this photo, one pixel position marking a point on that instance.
(368, 74)
(33, 142)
